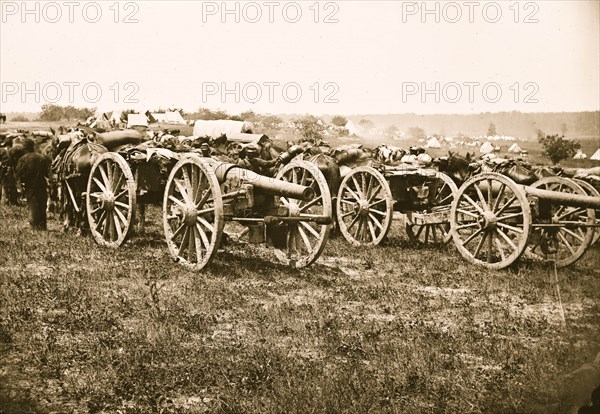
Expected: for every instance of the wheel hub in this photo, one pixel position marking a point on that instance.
(362, 208)
(488, 220)
(190, 214)
(108, 201)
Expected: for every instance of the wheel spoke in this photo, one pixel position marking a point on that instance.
(100, 185)
(192, 244)
(343, 200)
(375, 221)
(203, 236)
(468, 225)
(472, 236)
(566, 243)
(122, 205)
(507, 239)
(510, 216)
(480, 245)
(105, 179)
(176, 201)
(500, 249)
(184, 241)
(206, 224)
(310, 204)
(473, 203)
(349, 213)
(121, 216)
(481, 198)
(499, 197)
(372, 230)
(508, 204)
(117, 226)
(310, 229)
(197, 235)
(572, 233)
(375, 192)
(179, 230)
(357, 187)
(101, 219)
(468, 213)
(305, 239)
(511, 228)
(182, 190)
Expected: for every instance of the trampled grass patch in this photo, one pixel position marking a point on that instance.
(395, 328)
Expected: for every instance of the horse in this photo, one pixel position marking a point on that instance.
(72, 168)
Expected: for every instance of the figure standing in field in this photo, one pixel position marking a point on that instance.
(32, 173)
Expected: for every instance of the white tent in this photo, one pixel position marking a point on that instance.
(352, 129)
(217, 128)
(515, 149)
(136, 120)
(580, 155)
(158, 117)
(174, 117)
(596, 156)
(486, 148)
(433, 143)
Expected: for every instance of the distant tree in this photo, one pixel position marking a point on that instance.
(51, 112)
(271, 121)
(391, 130)
(339, 120)
(19, 118)
(563, 129)
(249, 116)
(310, 127)
(366, 124)
(540, 135)
(125, 113)
(557, 148)
(492, 130)
(417, 133)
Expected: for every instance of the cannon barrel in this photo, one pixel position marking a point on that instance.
(567, 199)
(225, 171)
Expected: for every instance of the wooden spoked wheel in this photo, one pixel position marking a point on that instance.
(418, 227)
(305, 238)
(591, 191)
(490, 220)
(560, 233)
(110, 200)
(193, 212)
(364, 207)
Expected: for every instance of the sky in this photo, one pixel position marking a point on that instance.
(326, 57)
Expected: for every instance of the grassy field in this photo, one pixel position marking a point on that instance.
(395, 329)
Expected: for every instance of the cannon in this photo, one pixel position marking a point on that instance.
(493, 220)
(291, 213)
(368, 198)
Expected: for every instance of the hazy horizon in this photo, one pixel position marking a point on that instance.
(346, 58)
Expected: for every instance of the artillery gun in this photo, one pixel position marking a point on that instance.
(292, 213)
(494, 220)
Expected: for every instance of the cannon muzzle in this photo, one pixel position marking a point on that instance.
(225, 171)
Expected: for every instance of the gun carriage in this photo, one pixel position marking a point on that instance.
(494, 220)
(291, 213)
(368, 198)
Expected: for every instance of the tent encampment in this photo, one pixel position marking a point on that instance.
(580, 155)
(134, 120)
(216, 128)
(596, 156)
(174, 117)
(486, 148)
(352, 129)
(515, 149)
(433, 143)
